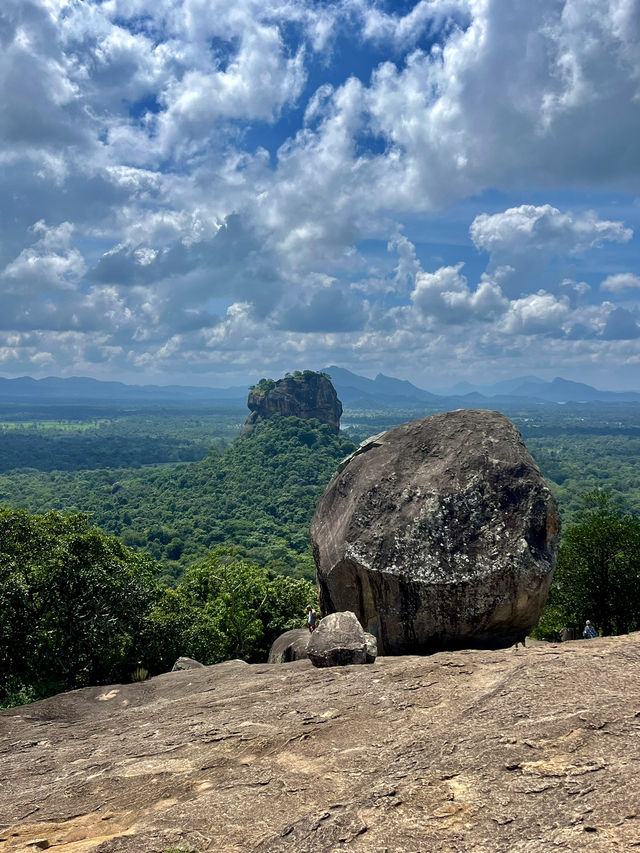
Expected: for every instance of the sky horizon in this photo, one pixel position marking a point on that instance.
(448, 389)
(204, 193)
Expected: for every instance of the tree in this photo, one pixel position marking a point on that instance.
(226, 608)
(73, 604)
(77, 607)
(261, 491)
(597, 575)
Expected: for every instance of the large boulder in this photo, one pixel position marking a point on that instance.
(339, 640)
(304, 394)
(440, 533)
(292, 645)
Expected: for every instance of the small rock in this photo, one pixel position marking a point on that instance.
(338, 640)
(186, 663)
(290, 646)
(371, 646)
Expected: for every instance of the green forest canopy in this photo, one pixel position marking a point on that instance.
(259, 495)
(597, 575)
(77, 607)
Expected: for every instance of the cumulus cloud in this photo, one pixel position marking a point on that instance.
(184, 179)
(526, 229)
(523, 82)
(445, 295)
(536, 245)
(620, 282)
(50, 263)
(408, 264)
(622, 325)
(40, 100)
(38, 287)
(405, 31)
(326, 307)
(539, 313)
(257, 82)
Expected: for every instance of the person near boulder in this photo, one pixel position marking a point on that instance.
(589, 631)
(311, 619)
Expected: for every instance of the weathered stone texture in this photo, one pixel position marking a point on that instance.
(338, 641)
(441, 533)
(309, 395)
(461, 752)
(371, 647)
(186, 663)
(290, 646)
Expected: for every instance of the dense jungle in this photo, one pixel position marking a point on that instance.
(162, 507)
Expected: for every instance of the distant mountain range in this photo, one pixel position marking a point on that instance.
(353, 390)
(557, 391)
(82, 389)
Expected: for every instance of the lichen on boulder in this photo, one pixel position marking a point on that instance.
(440, 534)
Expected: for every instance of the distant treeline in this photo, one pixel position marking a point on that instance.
(46, 450)
(258, 494)
(579, 447)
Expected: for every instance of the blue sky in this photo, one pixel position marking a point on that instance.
(208, 192)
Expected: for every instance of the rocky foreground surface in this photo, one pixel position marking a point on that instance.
(523, 751)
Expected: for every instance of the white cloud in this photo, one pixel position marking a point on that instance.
(576, 290)
(134, 130)
(539, 313)
(527, 229)
(238, 322)
(533, 245)
(524, 85)
(408, 264)
(620, 282)
(39, 99)
(256, 84)
(326, 306)
(49, 264)
(427, 16)
(445, 296)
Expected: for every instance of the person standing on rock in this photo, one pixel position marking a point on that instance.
(589, 631)
(311, 619)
